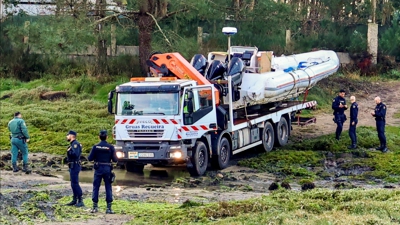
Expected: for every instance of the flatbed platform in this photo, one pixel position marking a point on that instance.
(269, 109)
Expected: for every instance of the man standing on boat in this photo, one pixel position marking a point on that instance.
(339, 106)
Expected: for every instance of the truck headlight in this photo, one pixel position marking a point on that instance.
(120, 155)
(176, 155)
(173, 147)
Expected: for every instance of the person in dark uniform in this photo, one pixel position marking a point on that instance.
(102, 154)
(19, 137)
(74, 152)
(380, 114)
(353, 122)
(338, 106)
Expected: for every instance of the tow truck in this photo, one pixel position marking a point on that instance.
(186, 114)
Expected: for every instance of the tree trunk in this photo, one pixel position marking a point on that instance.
(101, 57)
(146, 26)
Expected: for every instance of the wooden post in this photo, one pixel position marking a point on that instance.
(113, 41)
(200, 36)
(288, 37)
(26, 26)
(372, 37)
(1, 10)
(373, 11)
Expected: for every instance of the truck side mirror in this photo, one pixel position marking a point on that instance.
(111, 95)
(189, 95)
(110, 103)
(110, 106)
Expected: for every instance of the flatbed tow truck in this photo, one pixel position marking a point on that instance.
(181, 116)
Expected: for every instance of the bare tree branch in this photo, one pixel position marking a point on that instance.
(130, 14)
(175, 12)
(159, 28)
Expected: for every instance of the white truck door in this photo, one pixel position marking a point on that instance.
(199, 111)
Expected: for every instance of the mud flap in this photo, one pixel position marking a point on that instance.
(188, 160)
(189, 163)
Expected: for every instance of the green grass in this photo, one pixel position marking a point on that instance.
(296, 159)
(84, 110)
(38, 206)
(319, 206)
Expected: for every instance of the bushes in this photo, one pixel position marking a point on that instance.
(48, 121)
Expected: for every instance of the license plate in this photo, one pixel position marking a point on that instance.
(136, 155)
(146, 155)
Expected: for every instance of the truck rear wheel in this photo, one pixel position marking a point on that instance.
(199, 159)
(221, 161)
(268, 137)
(282, 132)
(134, 167)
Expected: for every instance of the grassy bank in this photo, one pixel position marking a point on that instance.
(314, 207)
(319, 206)
(84, 110)
(307, 159)
(353, 83)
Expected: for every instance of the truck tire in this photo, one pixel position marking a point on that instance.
(221, 161)
(199, 159)
(158, 165)
(134, 167)
(282, 132)
(268, 137)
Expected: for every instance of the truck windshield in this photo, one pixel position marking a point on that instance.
(148, 103)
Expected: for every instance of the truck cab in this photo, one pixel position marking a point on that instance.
(154, 115)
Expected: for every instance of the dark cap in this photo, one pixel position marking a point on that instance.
(342, 90)
(17, 114)
(71, 132)
(103, 133)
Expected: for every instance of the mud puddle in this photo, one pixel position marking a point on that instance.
(150, 175)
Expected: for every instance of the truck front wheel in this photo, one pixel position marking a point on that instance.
(134, 167)
(199, 159)
(221, 161)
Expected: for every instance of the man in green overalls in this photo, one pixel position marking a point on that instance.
(19, 137)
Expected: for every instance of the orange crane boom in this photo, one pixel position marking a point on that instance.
(174, 63)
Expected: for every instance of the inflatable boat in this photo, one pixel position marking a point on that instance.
(259, 77)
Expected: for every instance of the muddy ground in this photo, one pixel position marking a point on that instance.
(389, 93)
(233, 183)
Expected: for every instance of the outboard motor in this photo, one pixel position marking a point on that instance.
(216, 71)
(199, 62)
(236, 68)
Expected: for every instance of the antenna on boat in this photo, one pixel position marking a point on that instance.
(229, 31)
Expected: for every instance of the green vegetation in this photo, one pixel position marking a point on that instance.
(84, 110)
(306, 159)
(318, 206)
(34, 207)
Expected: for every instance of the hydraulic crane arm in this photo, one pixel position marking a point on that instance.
(173, 64)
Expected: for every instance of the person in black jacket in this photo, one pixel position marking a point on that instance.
(353, 122)
(102, 154)
(74, 152)
(338, 106)
(380, 114)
